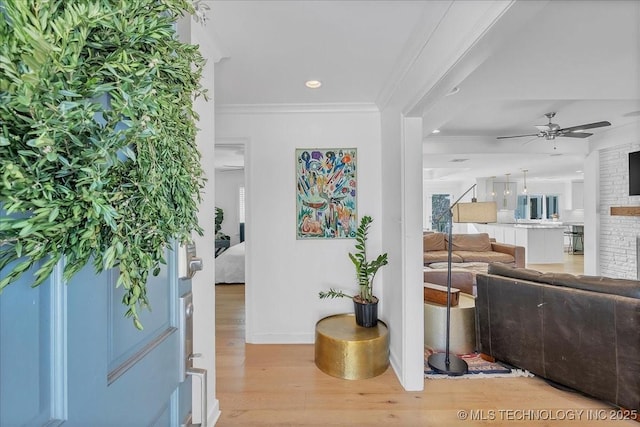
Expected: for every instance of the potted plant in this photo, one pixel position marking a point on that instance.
(365, 303)
(219, 218)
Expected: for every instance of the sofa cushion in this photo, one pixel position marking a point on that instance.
(500, 269)
(471, 242)
(623, 287)
(433, 242)
(488, 256)
(605, 285)
(559, 279)
(439, 256)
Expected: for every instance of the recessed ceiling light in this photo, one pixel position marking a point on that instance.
(435, 131)
(578, 171)
(313, 84)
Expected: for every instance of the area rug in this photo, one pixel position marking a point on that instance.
(478, 368)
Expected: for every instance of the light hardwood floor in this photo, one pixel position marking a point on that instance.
(573, 264)
(279, 385)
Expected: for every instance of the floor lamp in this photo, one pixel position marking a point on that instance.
(446, 363)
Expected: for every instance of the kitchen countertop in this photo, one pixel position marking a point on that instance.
(549, 224)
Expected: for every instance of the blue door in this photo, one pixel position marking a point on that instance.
(68, 356)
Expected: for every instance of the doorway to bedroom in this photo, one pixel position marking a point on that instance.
(230, 212)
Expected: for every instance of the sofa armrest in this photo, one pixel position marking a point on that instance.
(462, 280)
(517, 252)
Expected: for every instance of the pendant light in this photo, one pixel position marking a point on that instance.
(507, 190)
(524, 171)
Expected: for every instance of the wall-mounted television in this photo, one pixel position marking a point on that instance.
(634, 173)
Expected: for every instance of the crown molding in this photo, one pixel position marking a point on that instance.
(297, 108)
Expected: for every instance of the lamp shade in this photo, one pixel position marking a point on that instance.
(482, 212)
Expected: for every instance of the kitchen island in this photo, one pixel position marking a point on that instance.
(543, 242)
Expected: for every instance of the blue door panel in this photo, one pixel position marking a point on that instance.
(126, 340)
(164, 419)
(24, 353)
(135, 390)
(184, 399)
(104, 372)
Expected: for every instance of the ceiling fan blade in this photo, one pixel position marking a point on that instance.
(517, 136)
(587, 126)
(529, 141)
(575, 134)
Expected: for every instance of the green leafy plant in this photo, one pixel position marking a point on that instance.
(365, 270)
(97, 138)
(218, 223)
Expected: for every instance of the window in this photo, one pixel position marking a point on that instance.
(551, 203)
(521, 209)
(440, 204)
(537, 207)
(241, 205)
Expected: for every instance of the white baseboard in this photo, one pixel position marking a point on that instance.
(214, 414)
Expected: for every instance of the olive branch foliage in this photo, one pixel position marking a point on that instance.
(97, 139)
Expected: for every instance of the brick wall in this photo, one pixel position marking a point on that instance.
(618, 234)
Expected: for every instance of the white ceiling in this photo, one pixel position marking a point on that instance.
(275, 46)
(578, 58)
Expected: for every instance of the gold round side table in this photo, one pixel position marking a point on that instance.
(463, 326)
(346, 350)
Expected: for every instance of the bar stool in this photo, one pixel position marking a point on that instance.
(569, 234)
(578, 239)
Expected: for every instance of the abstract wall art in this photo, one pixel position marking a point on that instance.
(326, 191)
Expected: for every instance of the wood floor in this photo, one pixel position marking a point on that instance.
(279, 385)
(573, 264)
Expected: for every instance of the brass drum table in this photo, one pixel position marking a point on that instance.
(346, 350)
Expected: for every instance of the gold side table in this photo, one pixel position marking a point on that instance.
(463, 326)
(346, 350)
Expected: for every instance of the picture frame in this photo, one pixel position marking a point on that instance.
(326, 193)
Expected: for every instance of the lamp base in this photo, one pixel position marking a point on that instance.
(455, 367)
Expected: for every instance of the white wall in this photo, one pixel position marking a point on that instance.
(401, 192)
(227, 185)
(618, 234)
(204, 322)
(597, 200)
(284, 275)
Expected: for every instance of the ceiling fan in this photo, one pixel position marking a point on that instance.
(553, 130)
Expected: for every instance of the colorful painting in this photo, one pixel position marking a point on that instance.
(326, 193)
